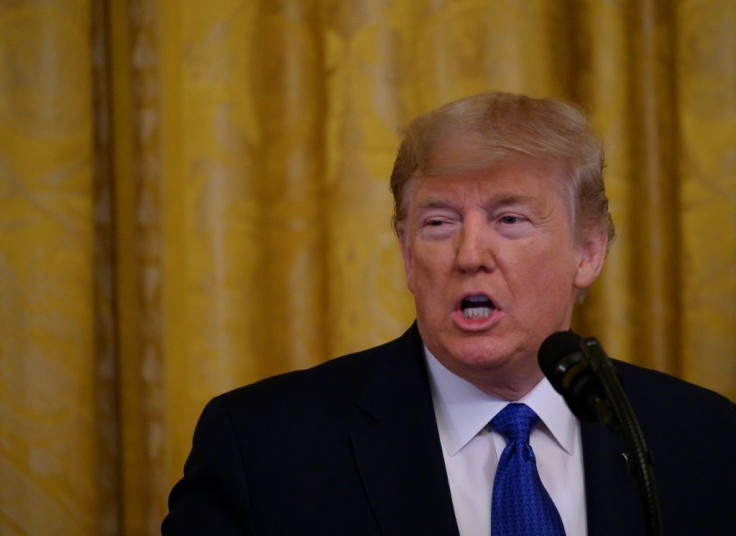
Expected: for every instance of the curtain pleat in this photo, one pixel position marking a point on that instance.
(706, 159)
(139, 210)
(654, 226)
(50, 370)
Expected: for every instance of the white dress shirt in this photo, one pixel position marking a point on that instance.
(471, 449)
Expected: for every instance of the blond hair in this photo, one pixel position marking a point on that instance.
(498, 127)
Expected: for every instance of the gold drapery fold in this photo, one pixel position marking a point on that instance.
(706, 159)
(652, 138)
(135, 73)
(50, 370)
(193, 196)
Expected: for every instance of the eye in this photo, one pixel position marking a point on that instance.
(509, 219)
(437, 221)
(437, 227)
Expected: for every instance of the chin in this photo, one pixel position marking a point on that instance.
(478, 354)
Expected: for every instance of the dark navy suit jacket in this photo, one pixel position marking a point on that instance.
(351, 448)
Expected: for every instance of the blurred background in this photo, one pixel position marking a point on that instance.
(194, 195)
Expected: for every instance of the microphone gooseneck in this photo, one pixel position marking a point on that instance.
(582, 373)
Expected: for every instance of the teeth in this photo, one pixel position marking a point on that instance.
(477, 312)
(477, 306)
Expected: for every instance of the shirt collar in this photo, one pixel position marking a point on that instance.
(463, 410)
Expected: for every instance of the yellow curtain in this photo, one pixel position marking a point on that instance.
(193, 196)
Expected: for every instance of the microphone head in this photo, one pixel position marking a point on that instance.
(553, 349)
(563, 363)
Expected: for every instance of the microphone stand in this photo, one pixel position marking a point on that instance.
(638, 457)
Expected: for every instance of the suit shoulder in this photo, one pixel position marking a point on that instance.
(641, 377)
(330, 385)
(661, 396)
(347, 368)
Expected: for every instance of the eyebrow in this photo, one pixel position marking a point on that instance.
(500, 200)
(435, 202)
(512, 198)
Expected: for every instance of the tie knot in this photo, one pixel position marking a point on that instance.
(515, 422)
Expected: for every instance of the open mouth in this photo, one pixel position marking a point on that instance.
(476, 306)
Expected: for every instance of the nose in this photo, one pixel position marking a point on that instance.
(473, 248)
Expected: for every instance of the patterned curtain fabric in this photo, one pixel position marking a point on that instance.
(194, 195)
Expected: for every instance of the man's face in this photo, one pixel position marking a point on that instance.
(491, 259)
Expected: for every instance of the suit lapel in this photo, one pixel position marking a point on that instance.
(398, 454)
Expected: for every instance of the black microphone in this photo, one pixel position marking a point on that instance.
(564, 359)
(582, 373)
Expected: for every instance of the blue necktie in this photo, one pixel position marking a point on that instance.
(521, 506)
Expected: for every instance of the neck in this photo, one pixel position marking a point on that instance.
(509, 389)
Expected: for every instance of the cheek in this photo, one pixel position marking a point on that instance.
(549, 272)
(407, 256)
(410, 283)
(419, 273)
(426, 273)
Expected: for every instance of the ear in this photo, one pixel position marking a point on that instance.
(592, 255)
(405, 245)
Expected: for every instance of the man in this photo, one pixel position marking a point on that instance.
(503, 224)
